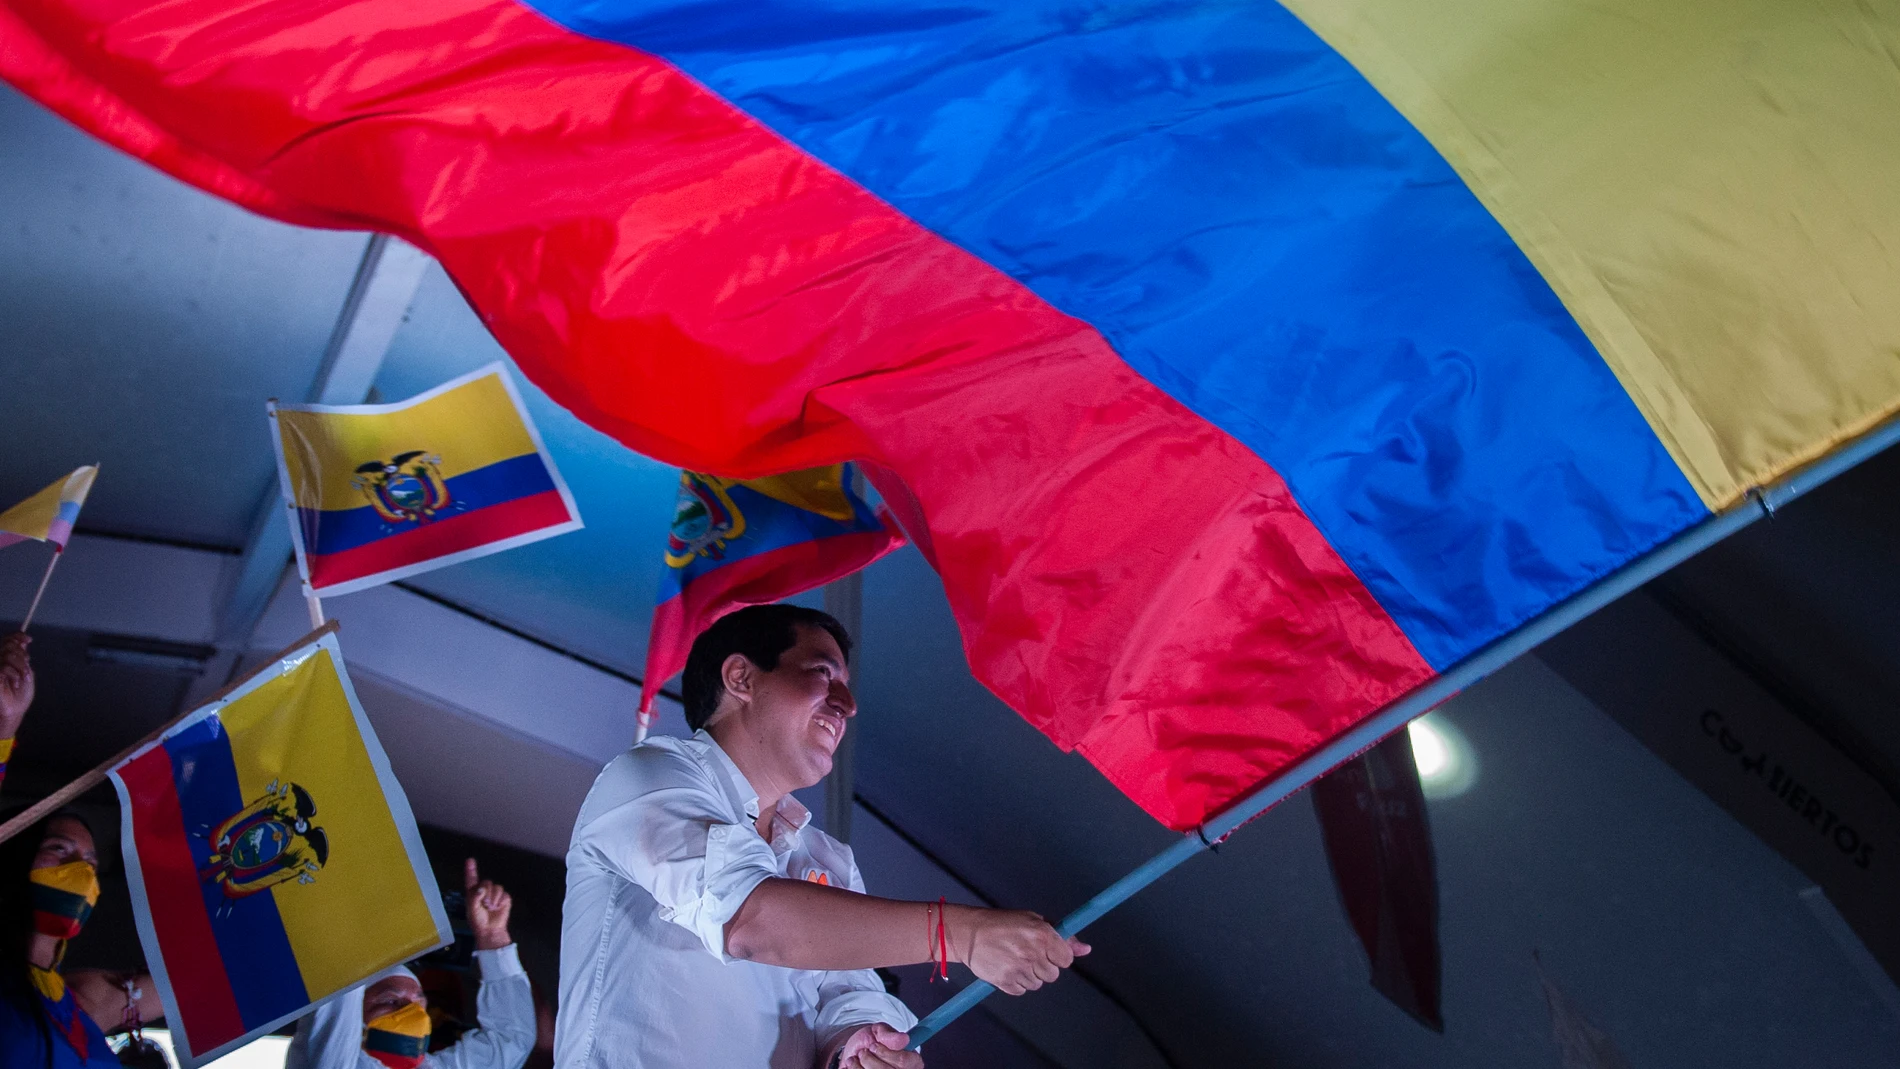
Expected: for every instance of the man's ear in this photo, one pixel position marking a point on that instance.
(736, 676)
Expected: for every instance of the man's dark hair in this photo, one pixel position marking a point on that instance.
(759, 633)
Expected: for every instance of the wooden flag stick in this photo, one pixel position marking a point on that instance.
(58, 552)
(52, 802)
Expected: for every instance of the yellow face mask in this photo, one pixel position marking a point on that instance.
(400, 1037)
(63, 897)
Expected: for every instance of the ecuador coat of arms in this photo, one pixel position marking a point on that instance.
(407, 488)
(271, 841)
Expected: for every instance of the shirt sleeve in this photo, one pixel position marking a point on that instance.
(331, 1036)
(848, 1000)
(504, 1015)
(669, 832)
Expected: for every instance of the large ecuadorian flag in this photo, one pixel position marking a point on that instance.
(381, 492)
(271, 854)
(1241, 367)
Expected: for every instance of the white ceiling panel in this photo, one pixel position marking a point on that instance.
(142, 324)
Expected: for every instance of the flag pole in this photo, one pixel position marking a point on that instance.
(58, 552)
(1759, 503)
(52, 802)
(310, 599)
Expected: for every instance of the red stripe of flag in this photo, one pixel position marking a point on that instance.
(492, 523)
(175, 897)
(1128, 577)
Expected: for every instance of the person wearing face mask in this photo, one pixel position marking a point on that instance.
(48, 886)
(708, 924)
(49, 883)
(384, 1023)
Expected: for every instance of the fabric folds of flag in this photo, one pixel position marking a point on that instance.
(272, 857)
(738, 542)
(49, 515)
(382, 492)
(1240, 367)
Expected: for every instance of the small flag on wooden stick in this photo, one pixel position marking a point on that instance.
(47, 516)
(272, 857)
(378, 493)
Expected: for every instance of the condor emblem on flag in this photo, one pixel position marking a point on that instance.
(381, 492)
(272, 857)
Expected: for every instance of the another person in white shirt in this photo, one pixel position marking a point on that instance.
(337, 1034)
(707, 924)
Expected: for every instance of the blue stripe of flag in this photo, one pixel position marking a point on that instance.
(249, 931)
(335, 530)
(1258, 233)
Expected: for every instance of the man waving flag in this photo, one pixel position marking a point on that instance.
(1246, 367)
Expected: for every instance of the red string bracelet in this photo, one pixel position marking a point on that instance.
(943, 944)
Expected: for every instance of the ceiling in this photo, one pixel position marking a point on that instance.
(143, 325)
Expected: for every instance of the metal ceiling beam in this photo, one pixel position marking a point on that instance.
(378, 302)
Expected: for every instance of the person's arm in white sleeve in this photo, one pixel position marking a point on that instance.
(504, 1016)
(671, 836)
(849, 1001)
(504, 1007)
(331, 1036)
(710, 873)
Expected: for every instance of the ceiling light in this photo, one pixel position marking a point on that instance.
(1446, 766)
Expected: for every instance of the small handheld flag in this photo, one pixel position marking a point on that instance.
(47, 516)
(272, 857)
(382, 492)
(746, 542)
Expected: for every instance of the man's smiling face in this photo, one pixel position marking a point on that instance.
(804, 705)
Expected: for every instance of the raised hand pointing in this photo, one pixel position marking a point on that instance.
(488, 907)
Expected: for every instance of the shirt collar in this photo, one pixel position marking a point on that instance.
(792, 814)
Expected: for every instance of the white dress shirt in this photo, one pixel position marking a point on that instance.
(664, 852)
(331, 1036)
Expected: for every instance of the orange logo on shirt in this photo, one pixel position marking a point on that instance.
(820, 878)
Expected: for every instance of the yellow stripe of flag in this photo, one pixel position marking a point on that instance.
(365, 907)
(468, 426)
(1709, 185)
